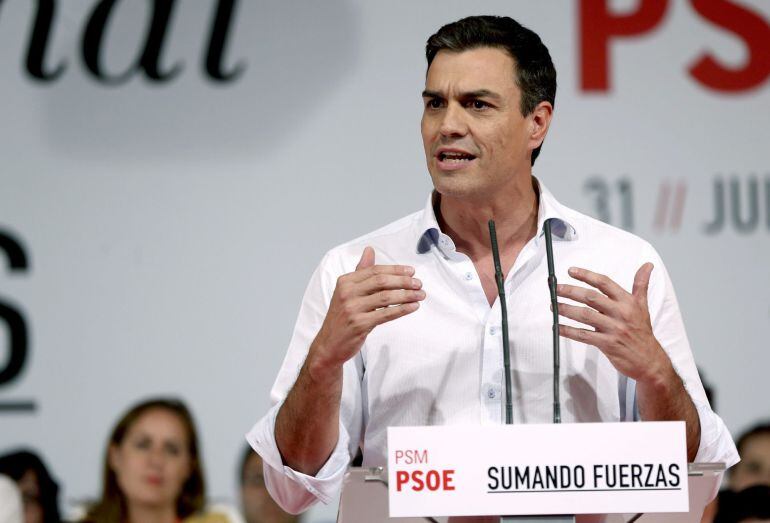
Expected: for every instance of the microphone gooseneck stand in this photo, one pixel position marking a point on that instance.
(504, 312)
(507, 353)
(555, 326)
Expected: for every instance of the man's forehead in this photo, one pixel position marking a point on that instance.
(481, 68)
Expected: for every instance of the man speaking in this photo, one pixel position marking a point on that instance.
(402, 325)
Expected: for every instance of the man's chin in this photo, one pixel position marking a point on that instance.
(459, 189)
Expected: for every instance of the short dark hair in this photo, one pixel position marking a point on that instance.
(535, 73)
(760, 429)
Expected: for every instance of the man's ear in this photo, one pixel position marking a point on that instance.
(540, 121)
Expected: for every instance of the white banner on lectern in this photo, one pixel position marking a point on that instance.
(576, 468)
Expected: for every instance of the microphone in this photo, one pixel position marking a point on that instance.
(504, 311)
(555, 327)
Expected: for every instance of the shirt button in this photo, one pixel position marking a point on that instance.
(468, 276)
(493, 330)
(491, 393)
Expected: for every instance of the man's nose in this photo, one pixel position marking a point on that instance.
(453, 122)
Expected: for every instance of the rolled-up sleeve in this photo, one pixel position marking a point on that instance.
(293, 490)
(716, 443)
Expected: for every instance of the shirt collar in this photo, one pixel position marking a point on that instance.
(428, 229)
(562, 228)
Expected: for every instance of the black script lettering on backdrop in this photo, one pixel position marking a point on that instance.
(18, 340)
(93, 42)
(38, 43)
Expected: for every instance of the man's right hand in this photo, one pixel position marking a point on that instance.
(369, 296)
(307, 424)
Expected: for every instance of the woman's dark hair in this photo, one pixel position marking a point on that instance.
(534, 71)
(111, 508)
(17, 464)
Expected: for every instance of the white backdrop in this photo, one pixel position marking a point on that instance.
(170, 227)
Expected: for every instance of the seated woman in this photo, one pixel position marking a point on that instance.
(152, 470)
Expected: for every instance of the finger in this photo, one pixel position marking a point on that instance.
(367, 259)
(597, 339)
(374, 270)
(381, 282)
(642, 283)
(590, 297)
(380, 316)
(587, 316)
(390, 298)
(599, 281)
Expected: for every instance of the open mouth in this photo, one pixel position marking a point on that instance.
(454, 158)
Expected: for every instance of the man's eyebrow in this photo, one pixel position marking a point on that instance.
(479, 93)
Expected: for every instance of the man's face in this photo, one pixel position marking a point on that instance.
(754, 467)
(258, 506)
(476, 140)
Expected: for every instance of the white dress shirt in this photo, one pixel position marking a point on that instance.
(443, 364)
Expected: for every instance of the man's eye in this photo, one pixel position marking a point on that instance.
(434, 103)
(478, 104)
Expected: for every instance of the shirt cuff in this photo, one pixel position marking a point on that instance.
(293, 490)
(716, 444)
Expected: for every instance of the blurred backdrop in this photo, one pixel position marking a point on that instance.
(173, 171)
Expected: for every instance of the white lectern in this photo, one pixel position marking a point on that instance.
(365, 499)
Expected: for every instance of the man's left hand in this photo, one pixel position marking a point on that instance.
(620, 321)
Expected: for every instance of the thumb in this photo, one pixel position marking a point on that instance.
(367, 259)
(642, 282)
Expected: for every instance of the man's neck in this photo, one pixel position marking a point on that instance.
(513, 210)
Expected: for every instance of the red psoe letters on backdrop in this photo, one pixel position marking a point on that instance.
(599, 26)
